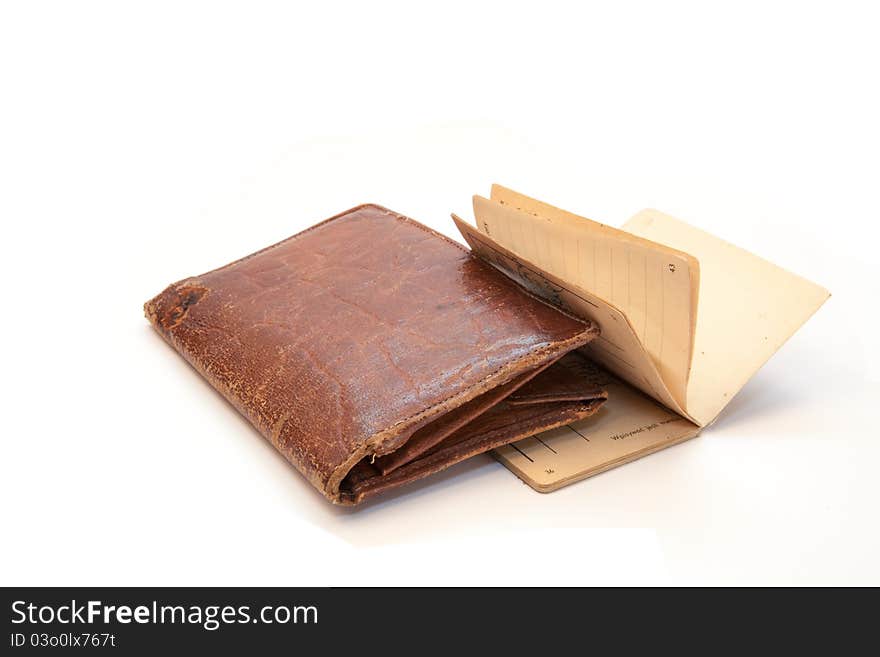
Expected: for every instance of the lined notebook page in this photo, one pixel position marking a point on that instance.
(748, 308)
(629, 426)
(618, 348)
(654, 286)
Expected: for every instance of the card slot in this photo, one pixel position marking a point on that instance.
(560, 381)
(501, 425)
(430, 435)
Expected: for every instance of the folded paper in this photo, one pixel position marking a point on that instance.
(686, 320)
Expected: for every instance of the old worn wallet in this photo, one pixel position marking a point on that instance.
(372, 351)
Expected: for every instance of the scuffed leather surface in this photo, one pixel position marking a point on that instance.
(561, 381)
(566, 380)
(502, 424)
(342, 341)
(554, 397)
(434, 432)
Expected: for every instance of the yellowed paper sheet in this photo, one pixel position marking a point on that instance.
(629, 426)
(748, 308)
(653, 285)
(618, 348)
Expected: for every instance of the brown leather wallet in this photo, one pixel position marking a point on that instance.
(372, 351)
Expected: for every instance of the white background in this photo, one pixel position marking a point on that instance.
(144, 142)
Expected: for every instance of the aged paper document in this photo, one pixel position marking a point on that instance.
(686, 320)
(655, 286)
(748, 308)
